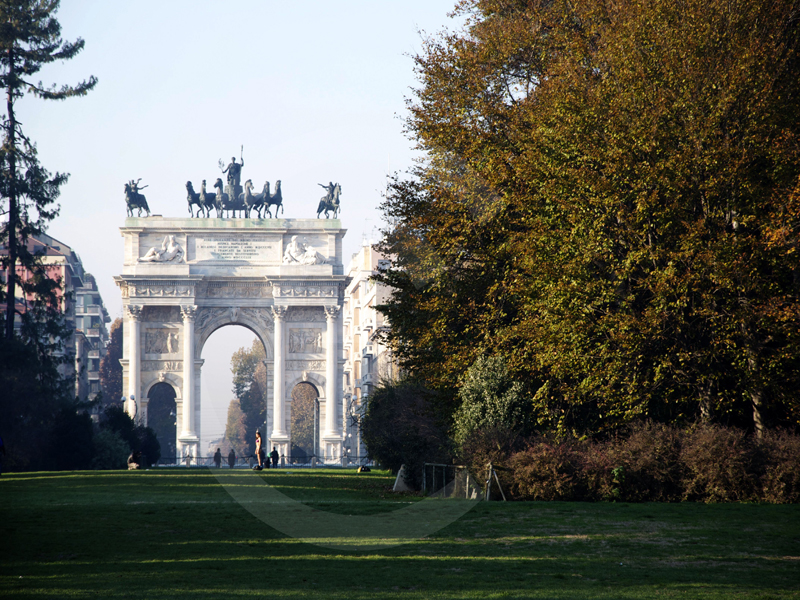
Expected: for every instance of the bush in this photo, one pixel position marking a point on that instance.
(110, 450)
(71, 445)
(549, 470)
(402, 427)
(646, 464)
(489, 445)
(779, 454)
(652, 462)
(490, 400)
(147, 443)
(718, 465)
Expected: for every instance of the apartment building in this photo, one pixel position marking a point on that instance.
(82, 306)
(367, 360)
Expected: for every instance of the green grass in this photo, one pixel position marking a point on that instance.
(173, 533)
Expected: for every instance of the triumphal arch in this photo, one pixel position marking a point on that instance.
(182, 279)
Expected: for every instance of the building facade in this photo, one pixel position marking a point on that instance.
(368, 361)
(82, 306)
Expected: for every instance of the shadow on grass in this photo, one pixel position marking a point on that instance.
(178, 534)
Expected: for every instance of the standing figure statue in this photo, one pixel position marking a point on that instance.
(234, 171)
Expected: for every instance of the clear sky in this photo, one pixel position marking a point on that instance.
(314, 91)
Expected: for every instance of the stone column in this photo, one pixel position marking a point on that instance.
(332, 435)
(279, 434)
(134, 359)
(188, 435)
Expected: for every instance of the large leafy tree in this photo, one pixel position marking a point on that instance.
(610, 202)
(30, 38)
(250, 387)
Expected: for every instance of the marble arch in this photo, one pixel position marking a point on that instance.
(182, 279)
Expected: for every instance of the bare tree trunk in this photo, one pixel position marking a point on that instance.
(755, 398)
(13, 209)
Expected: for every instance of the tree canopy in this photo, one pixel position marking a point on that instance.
(609, 201)
(30, 38)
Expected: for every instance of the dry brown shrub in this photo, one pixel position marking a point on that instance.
(646, 463)
(779, 452)
(718, 465)
(548, 470)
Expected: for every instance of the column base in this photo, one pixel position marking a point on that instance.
(188, 449)
(280, 441)
(332, 448)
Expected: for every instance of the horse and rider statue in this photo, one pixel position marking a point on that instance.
(330, 201)
(134, 199)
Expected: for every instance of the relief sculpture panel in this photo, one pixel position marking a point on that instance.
(305, 341)
(162, 341)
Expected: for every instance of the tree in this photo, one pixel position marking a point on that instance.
(29, 39)
(610, 203)
(302, 420)
(110, 367)
(250, 386)
(404, 425)
(490, 399)
(235, 430)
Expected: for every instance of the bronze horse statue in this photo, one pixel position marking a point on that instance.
(208, 199)
(275, 199)
(193, 198)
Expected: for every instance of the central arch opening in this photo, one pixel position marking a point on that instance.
(304, 423)
(161, 417)
(234, 391)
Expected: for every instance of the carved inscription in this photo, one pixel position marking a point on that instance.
(162, 314)
(305, 341)
(305, 315)
(238, 291)
(162, 365)
(305, 365)
(253, 248)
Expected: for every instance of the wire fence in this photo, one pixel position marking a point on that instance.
(449, 481)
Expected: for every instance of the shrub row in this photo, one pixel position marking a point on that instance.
(651, 462)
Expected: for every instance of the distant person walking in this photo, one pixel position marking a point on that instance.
(218, 458)
(274, 456)
(231, 458)
(259, 451)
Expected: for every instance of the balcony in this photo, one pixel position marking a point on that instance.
(368, 350)
(368, 379)
(94, 375)
(87, 310)
(94, 332)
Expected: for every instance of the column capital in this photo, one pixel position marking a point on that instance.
(134, 311)
(279, 312)
(189, 312)
(331, 312)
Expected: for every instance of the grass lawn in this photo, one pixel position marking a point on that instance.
(177, 533)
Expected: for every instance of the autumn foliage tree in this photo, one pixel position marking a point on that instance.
(609, 201)
(110, 368)
(250, 389)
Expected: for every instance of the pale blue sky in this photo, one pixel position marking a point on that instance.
(313, 90)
